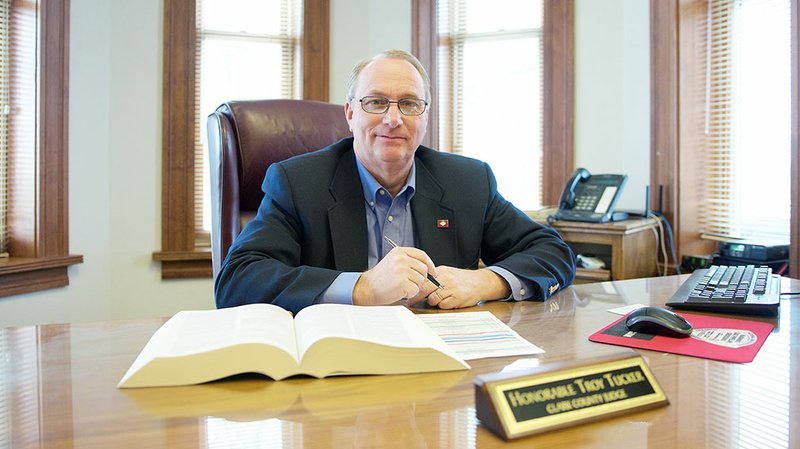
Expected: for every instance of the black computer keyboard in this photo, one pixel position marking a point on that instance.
(746, 289)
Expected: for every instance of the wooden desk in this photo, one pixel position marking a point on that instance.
(628, 247)
(57, 390)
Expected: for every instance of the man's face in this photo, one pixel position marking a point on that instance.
(387, 141)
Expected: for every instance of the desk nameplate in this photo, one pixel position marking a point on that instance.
(561, 395)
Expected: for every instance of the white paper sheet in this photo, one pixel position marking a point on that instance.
(478, 335)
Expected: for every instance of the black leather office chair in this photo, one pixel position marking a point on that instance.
(244, 139)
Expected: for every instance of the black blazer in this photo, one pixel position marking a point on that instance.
(311, 226)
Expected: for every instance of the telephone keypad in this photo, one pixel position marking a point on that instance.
(585, 203)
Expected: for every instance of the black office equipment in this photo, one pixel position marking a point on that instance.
(691, 263)
(744, 289)
(658, 321)
(754, 251)
(592, 198)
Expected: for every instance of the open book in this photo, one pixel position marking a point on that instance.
(194, 347)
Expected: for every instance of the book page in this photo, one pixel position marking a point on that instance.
(206, 330)
(386, 325)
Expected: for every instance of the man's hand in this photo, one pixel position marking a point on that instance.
(466, 288)
(401, 274)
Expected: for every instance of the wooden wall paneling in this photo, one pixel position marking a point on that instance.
(558, 138)
(316, 50)
(423, 46)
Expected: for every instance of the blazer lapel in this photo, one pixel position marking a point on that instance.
(434, 222)
(347, 217)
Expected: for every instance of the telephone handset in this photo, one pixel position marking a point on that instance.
(588, 197)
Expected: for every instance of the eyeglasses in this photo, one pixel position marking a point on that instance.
(379, 105)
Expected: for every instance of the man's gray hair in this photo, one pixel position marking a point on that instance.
(388, 54)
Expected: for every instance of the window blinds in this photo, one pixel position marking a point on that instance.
(18, 107)
(747, 133)
(245, 49)
(5, 109)
(717, 212)
(490, 89)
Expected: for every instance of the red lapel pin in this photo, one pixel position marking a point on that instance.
(442, 224)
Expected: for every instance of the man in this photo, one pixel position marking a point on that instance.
(326, 227)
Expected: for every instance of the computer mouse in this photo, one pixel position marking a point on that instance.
(658, 321)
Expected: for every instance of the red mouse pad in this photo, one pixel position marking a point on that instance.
(716, 338)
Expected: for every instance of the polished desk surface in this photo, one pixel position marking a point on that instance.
(58, 390)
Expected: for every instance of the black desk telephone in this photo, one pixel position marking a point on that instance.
(590, 197)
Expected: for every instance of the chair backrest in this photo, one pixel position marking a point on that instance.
(244, 139)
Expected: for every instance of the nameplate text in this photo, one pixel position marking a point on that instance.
(557, 396)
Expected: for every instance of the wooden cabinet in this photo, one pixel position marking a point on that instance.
(628, 248)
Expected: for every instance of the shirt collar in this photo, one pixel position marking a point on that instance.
(370, 185)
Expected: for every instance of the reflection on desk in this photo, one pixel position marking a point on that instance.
(57, 389)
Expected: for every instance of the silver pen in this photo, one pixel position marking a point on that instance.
(430, 278)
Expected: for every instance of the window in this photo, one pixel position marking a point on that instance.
(247, 50)
(747, 132)
(503, 89)
(214, 52)
(5, 115)
(713, 64)
(34, 120)
(490, 90)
